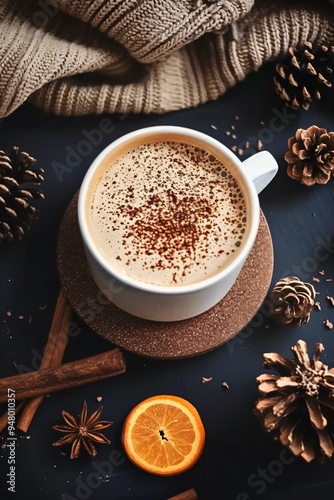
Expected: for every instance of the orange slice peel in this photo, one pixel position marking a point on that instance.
(164, 435)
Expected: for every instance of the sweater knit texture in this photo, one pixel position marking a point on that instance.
(78, 57)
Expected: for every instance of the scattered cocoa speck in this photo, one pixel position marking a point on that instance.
(225, 386)
(234, 148)
(228, 132)
(214, 127)
(328, 324)
(42, 307)
(322, 272)
(329, 279)
(99, 399)
(316, 280)
(240, 151)
(259, 145)
(331, 300)
(318, 306)
(8, 313)
(206, 379)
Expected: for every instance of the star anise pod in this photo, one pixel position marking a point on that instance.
(82, 431)
(297, 406)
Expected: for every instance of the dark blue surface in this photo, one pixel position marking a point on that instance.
(239, 462)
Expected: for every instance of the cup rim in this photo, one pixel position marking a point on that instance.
(159, 289)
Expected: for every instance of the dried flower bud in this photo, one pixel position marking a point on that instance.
(296, 406)
(304, 74)
(18, 181)
(293, 301)
(310, 157)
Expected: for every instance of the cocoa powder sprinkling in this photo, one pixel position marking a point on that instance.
(168, 225)
(170, 212)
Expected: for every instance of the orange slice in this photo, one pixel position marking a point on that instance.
(164, 435)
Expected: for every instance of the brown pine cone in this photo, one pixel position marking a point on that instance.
(304, 74)
(18, 177)
(297, 406)
(311, 156)
(293, 301)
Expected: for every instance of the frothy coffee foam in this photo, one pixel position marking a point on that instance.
(168, 213)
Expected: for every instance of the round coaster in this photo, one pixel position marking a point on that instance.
(179, 339)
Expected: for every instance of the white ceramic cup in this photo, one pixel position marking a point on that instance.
(169, 303)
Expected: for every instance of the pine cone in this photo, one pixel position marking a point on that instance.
(297, 406)
(305, 74)
(293, 301)
(16, 194)
(311, 156)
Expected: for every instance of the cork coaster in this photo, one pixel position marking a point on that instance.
(179, 339)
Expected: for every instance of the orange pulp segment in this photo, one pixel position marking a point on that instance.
(164, 435)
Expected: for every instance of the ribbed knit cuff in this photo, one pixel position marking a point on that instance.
(150, 29)
(44, 64)
(199, 72)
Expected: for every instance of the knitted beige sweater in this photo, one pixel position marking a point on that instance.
(74, 57)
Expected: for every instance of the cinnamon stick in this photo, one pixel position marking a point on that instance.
(58, 327)
(52, 356)
(186, 495)
(68, 375)
(4, 417)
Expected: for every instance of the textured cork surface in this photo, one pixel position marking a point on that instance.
(152, 339)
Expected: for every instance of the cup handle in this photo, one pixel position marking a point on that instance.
(260, 168)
